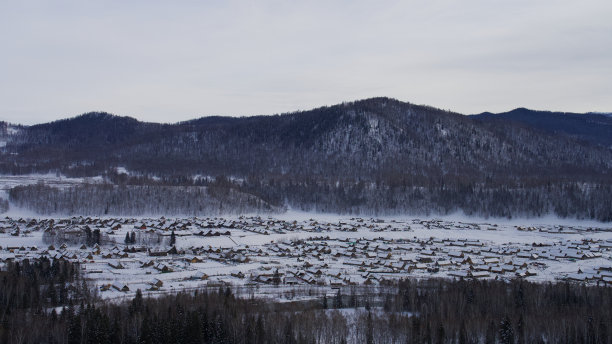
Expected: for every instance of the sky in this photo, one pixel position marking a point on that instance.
(168, 61)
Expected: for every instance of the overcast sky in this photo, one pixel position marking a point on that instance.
(167, 61)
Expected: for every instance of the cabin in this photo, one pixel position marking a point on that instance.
(508, 268)
(157, 283)
(480, 274)
(497, 269)
(491, 261)
(455, 254)
(163, 268)
(425, 259)
(443, 263)
(120, 286)
(397, 265)
(193, 259)
(308, 279)
(147, 263)
(199, 276)
(237, 274)
(292, 280)
(115, 264)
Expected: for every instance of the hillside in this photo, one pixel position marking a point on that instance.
(373, 156)
(595, 128)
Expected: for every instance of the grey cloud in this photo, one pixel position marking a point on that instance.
(165, 61)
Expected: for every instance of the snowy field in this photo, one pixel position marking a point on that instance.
(276, 256)
(8, 182)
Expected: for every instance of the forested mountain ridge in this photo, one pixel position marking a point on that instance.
(376, 155)
(591, 127)
(360, 139)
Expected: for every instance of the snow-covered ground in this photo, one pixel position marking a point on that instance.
(8, 182)
(277, 255)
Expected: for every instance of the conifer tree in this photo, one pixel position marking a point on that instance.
(506, 332)
(172, 238)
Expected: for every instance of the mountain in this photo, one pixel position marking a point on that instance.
(372, 156)
(366, 138)
(592, 127)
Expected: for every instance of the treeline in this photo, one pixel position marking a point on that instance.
(488, 311)
(411, 311)
(566, 200)
(367, 139)
(40, 284)
(30, 290)
(375, 156)
(4, 206)
(130, 200)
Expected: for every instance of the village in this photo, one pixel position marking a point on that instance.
(159, 255)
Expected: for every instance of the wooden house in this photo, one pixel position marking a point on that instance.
(157, 283)
(121, 286)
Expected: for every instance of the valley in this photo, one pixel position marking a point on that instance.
(167, 255)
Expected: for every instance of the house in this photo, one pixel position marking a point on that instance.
(334, 273)
(428, 253)
(497, 269)
(491, 261)
(163, 268)
(119, 253)
(455, 254)
(237, 274)
(147, 263)
(443, 263)
(335, 282)
(474, 242)
(193, 259)
(524, 254)
(481, 267)
(239, 258)
(397, 265)
(199, 276)
(268, 279)
(157, 283)
(157, 253)
(508, 268)
(115, 264)
(480, 274)
(353, 262)
(575, 255)
(308, 279)
(291, 280)
(121, 286)
(425, 259)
